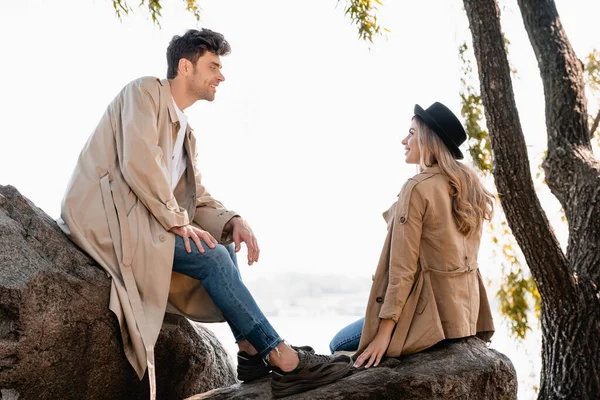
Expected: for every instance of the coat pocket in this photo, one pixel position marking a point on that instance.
(118, 224)
(421, 304)
(131, 202)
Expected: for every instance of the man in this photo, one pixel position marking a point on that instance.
(136, 204)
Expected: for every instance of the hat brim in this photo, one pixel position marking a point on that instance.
(429, 120)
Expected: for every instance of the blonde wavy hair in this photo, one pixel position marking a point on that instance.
(471, 202)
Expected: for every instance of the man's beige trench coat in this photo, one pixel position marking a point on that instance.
(427, 279)
(119, 206)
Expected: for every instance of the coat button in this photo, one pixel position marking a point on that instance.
(161, 238)
(402, 220)
(379, 299)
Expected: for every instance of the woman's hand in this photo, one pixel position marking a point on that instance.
(377, 348)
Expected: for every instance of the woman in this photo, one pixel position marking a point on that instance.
(427, 286)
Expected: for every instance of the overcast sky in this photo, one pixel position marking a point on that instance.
(303, 139)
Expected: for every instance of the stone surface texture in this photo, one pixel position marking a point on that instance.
(58, 340)
(457, 370)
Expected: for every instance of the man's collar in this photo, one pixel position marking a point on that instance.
(170, 102)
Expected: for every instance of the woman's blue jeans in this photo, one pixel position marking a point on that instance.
(348, 338)
(218, 271)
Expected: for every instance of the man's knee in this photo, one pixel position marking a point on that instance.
(221, 259)
(218, 253)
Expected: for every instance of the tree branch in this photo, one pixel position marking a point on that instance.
(562, 74)
(524, 213)
(572, 172)
(595, 125)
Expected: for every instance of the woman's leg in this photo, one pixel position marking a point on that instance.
(348, 338)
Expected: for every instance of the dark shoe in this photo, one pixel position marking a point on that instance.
(250, 368)
(313, 371)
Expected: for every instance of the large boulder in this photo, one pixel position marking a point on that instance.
(58, 340)
(458, 370)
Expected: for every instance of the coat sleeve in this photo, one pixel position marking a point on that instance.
(142, 160)
(404, 250)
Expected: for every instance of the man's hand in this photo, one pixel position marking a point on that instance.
(377, 348)
(241, 232)
(188, 232)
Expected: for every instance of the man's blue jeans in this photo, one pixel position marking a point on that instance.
(218, 271)
(348, 338)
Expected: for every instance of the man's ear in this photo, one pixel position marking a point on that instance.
(184, 67)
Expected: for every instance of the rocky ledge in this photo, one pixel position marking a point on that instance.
(458, 370)
(58, 340)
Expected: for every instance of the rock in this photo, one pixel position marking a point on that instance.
(458, 370)
(58, 340)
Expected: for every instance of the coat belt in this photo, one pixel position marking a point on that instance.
(464, 270)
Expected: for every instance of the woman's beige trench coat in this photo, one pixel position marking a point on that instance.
(119, 206)
(427, 279)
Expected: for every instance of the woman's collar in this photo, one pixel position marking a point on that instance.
(433, 169)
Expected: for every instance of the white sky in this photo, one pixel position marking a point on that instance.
(303, 138)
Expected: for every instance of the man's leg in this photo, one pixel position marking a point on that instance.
(294, 372)
(217, 270)
(243, 344)
(250, 365)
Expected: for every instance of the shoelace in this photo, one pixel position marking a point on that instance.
(310, 358)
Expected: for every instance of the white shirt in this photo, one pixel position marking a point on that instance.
(179, 161)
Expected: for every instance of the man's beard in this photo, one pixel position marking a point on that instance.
(204, 94)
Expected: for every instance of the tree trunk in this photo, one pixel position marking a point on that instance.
(570, 298)
(570, 351)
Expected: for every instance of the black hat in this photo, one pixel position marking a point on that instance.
(443, 122)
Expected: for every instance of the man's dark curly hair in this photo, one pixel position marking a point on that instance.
(192, 45)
